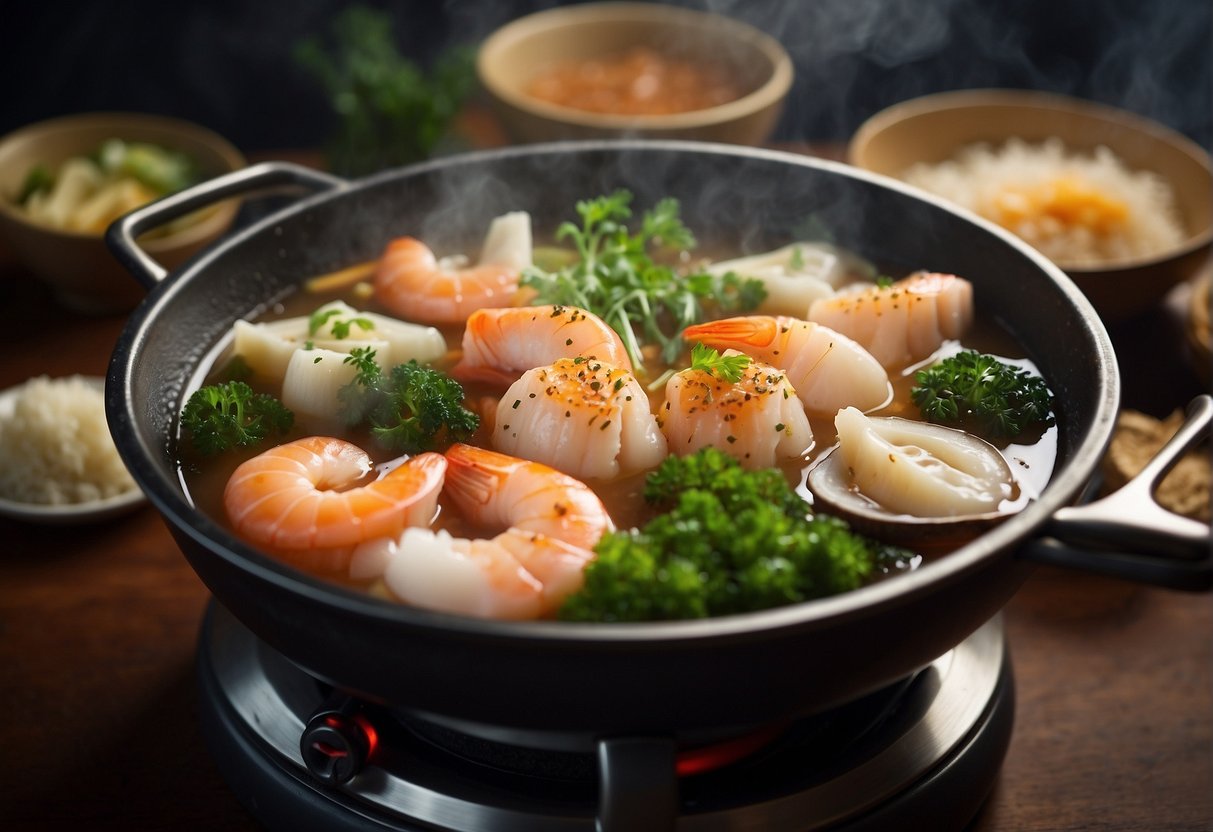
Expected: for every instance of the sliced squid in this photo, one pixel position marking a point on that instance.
(267, 347)
(508, 241)
(797, 275)
(921, 469)
(312, 379)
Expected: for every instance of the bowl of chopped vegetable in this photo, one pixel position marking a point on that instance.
(634, 69)
(63, 181)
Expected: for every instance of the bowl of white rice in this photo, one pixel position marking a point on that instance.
(58, 463)
(1119, 202)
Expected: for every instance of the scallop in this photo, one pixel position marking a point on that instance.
(582, 416)
(758, 419)
(903, 322)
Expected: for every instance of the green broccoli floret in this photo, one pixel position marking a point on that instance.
(981, 394)
(731, 541)
(228, 415)
(411, 409)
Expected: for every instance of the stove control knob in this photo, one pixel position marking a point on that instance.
(336, 744)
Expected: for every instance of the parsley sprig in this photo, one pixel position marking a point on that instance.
(726, 540)
(616, 278)
(724, 367)
(978, 392)
(219, 417)
(339, 327)
(389, 110)
(411, 409)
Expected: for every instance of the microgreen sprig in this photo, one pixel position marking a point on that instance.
(616, 278)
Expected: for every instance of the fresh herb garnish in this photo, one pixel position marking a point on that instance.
(616, 278)
(339, 327)
(390, 112)
(978, 392)
(730, 541)
(228, 415)
(724, 367)
(410, 409)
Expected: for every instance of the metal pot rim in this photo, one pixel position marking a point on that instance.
(168, 498)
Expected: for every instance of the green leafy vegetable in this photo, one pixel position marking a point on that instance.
(390, 111)
(228, 415)
(411, 409)
(162, 170)
(724, 367)
(38, 179)
(729, 541)
(982, 394)
(616, 278)
(338, 326)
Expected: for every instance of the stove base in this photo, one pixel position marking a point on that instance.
(926, 756)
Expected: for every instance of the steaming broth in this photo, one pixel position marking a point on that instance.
(205, 480)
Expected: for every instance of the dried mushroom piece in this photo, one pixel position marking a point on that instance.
(1138, 437)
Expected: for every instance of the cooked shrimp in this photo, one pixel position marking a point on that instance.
(828, 370)
(551, 523)
(493, 490)
(582, 416)
(290, 498)
(903, 322)
(515, 575)
(499, 345)
(758, 419)
(414, 284)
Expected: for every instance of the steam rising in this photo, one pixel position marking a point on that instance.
(229, 65)
(854, 57)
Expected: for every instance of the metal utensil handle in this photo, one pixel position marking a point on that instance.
(120, 236)
(1127, 533)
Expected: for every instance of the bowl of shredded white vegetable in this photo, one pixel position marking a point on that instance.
(1120, 202)
(63, 181)
(58, 463)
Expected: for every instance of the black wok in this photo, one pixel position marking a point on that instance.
(665, 677)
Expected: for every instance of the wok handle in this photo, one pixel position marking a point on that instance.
(1127, 534)
(120, 236)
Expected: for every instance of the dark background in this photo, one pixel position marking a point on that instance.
(228, 64)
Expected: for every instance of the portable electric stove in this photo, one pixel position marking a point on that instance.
(919, 754)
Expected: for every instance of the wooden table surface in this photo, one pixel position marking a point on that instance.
(98, 709)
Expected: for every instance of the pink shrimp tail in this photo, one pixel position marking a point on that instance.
(752, 330)
(475, 474)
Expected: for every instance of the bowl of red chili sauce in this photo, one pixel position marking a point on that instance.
(634, 69)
